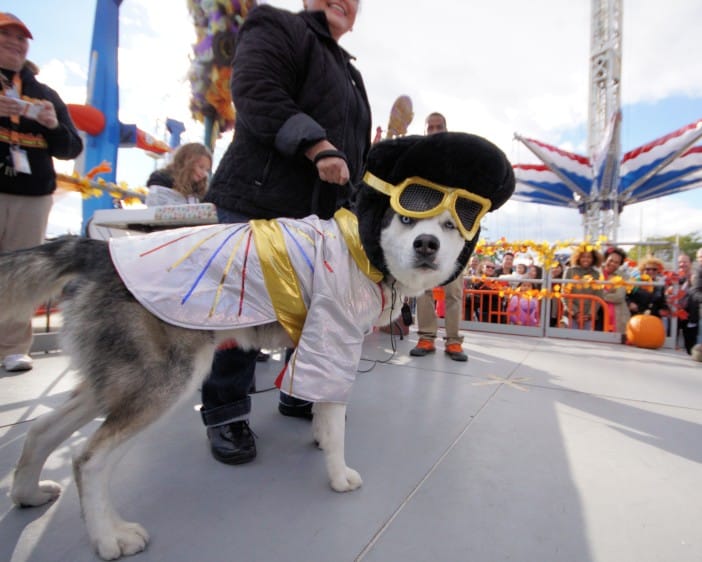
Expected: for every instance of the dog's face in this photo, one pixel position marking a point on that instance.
(420, 253)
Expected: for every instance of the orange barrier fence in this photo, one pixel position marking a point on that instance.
(599, 318)
(500, 307)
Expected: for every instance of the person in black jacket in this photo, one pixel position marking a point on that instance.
(35, 127)
(302, 135)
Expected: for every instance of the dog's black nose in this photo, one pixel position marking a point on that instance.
(426, 245)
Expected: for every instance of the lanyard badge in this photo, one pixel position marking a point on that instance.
(419, 198)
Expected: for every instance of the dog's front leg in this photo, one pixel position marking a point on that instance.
(329, 428)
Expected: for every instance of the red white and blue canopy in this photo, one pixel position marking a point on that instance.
(668, 165)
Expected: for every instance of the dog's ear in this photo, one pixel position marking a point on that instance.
(370, 208)
(463, 257)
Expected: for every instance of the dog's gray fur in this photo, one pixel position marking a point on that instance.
(135, 366)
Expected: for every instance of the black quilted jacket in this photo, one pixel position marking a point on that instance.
(292, 86)
(39, 143)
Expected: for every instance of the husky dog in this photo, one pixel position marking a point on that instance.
(143, 315)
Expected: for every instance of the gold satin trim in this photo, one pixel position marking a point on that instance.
(348, 224)
(279, 276)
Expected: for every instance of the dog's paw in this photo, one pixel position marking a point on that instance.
(348, 481)
(126, 539)
(45, 492)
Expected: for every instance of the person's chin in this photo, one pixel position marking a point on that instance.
(338, 24)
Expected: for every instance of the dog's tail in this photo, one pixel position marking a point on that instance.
(29, 278)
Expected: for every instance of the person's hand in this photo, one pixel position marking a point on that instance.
(47, 115)
(331, 169)
(9, 106)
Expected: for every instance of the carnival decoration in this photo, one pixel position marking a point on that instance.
(646, 331)
(401, 115)
(89, 188)
(103, 95)
(87, 118)
(217, 24)
(99, 117)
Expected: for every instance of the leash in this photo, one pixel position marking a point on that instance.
(393, 341)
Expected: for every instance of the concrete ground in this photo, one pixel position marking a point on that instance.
(536, 450)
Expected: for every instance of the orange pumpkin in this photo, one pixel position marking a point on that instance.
(645, 330)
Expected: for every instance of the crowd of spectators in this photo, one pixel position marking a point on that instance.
(589, 290)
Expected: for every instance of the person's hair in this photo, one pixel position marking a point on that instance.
(614, 250)
(560, 275)
(181, 169)
(538, 269)
(579, 252)
(481, 267)
(651, 261)
(436, 114)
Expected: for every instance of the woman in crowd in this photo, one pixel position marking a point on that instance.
(618, 310)
(649, 299)
(184, 180)
(536, 273)
(585, 267)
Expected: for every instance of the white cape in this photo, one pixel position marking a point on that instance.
(299, 272)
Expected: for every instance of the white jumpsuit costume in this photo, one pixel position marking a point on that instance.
(310, 275)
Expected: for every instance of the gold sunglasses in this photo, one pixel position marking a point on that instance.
(418, 198)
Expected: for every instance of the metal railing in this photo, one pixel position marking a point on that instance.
(487, 310)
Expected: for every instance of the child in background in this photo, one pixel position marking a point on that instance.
(184, 180)
(523, 310)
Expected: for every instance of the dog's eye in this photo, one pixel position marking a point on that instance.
(407, 220)
(449, 225)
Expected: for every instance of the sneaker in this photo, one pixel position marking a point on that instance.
(17, 362)
(455, 352)
(423, 348)
(232, 443)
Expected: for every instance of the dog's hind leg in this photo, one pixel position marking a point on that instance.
(329, 428)
(44, 435)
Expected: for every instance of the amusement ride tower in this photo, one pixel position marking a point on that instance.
(600, 184)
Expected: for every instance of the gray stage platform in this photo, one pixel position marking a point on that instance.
(537, 450)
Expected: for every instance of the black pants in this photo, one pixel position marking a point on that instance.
(689, 333)
(225, 392)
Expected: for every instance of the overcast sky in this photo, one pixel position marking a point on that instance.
(493, 68)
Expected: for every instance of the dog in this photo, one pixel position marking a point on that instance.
(143, 315)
